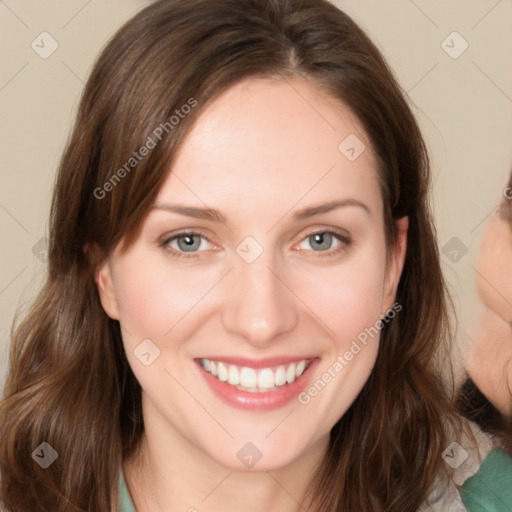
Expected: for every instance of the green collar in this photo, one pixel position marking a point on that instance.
(125, 501)
(490, 489)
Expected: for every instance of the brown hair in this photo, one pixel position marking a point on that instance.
(70, 383)
(475, 406)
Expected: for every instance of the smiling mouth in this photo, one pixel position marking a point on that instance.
(261, 380)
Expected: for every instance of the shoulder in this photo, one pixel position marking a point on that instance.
(480, 476)
(490, 488)
(463, 458)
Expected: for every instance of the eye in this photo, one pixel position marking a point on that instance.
(185, 244)
(324, 241)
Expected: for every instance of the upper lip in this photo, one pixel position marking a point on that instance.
(259, 363)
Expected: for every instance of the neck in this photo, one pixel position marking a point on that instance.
(168, 472)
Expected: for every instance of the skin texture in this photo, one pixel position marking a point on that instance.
(490, 360)
(260, 152)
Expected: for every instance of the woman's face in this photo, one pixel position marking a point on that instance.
(490, 361)
(249, 301)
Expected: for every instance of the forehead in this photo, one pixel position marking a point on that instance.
(278, 141)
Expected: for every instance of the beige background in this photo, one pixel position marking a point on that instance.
(463, 104)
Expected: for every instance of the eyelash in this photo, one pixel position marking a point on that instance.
(344, 240)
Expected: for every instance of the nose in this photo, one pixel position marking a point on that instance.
(260, 305)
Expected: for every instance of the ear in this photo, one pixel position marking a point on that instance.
(395, 262)
(103, 279)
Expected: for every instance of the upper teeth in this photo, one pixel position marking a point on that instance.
(250, 379)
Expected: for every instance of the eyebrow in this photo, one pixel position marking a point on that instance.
(327, 207)
(215, 216)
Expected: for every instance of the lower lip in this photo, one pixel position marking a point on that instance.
(257, 401)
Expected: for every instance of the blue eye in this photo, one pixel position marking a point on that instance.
(322, 242)
(189, 244)
(183, 243)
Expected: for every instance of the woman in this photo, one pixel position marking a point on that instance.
(486, 395)
(244, 304)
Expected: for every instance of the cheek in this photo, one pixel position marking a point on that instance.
(156, 298)
(491, 363)
(351, 305)
(153, 297)
(494, 269)
(352, 296)
(165, 305)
